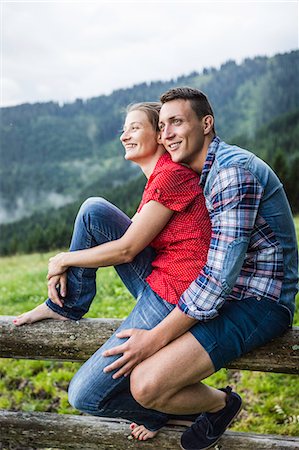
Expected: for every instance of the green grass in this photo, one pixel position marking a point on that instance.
(270, 400)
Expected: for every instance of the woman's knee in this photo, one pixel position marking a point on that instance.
(94, 205)
(82, 394)
(76, 396)
(93, 212)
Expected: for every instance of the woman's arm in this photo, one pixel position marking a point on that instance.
(146, 226)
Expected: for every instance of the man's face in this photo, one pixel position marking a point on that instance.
(182, 132)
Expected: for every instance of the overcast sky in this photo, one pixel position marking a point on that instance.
(63, 50)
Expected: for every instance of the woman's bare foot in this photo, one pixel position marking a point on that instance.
(41, 312)
(141, 433)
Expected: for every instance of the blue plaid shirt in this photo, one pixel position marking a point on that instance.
(245, 258)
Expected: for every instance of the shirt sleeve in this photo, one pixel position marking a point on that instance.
(233, 205)
(175, 189)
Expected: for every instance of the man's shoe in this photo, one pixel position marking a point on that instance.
(209, 427)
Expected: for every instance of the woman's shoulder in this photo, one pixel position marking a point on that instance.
(165, 164)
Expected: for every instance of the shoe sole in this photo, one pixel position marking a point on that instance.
(214, 443)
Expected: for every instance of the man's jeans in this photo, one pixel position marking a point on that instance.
(91, 390)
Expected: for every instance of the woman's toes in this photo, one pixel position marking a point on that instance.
(137, 431)
(141, 433)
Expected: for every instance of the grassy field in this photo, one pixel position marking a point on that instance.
(270, 400)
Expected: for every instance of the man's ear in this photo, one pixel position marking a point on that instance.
(208, 124)
(159, 138)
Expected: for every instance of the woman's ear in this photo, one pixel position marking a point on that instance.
(159, 138)
(208, 124)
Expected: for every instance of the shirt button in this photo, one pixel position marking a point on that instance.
(157, 191)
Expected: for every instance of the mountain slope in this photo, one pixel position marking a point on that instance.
(49, 154)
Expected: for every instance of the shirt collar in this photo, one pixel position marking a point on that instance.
(209, 160)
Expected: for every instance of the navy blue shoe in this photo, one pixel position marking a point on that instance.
(209, 427)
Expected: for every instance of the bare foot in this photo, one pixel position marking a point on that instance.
(141, 433)
(41, 312)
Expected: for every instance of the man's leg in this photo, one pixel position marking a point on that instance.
(170, 380)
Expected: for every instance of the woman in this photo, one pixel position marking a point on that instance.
(157, 254)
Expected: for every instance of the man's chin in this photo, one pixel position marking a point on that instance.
(175, 156)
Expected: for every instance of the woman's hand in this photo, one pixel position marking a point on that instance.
(56, 265)
(57, 288)
(140, 345)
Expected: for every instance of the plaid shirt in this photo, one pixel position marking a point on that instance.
(244, 259)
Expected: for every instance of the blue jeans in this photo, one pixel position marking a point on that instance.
(91, 390)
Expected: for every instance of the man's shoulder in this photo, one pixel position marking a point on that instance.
(228, 155)
(238, 163)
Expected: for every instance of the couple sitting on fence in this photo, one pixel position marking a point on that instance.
(211, 257)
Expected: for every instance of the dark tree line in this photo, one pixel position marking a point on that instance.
(74, 151)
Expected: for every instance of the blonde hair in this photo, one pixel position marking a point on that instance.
(151, 109)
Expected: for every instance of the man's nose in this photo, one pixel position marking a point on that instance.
(167, 132)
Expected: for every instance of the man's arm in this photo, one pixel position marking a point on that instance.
(144, 343)
(233, 207)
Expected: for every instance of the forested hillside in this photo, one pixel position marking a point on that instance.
(53, 156)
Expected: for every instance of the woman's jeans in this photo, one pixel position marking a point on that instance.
(91, 390)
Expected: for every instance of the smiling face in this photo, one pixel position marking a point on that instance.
(183, 134)
(139, 138)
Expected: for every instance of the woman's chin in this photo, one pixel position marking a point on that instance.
(129, 157)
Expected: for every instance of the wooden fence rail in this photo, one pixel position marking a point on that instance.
(76, 341)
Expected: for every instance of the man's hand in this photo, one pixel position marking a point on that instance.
(140, 345)
(56, 266)
(58, 281)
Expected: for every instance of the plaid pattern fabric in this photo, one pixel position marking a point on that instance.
(245, 259)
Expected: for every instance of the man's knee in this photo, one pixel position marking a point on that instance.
(145, 389)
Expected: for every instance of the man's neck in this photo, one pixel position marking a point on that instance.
(199, 163)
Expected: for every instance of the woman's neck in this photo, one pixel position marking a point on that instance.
(148, 166)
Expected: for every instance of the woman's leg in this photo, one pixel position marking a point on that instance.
(97, 222)
(95, 392)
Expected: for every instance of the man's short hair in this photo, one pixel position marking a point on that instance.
(198, 100)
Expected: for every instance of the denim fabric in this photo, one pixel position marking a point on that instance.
(241, 326)
(95, 392)
(97, 222)
(91, 390)
(253, 250)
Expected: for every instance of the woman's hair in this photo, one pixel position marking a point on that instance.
(151, 109)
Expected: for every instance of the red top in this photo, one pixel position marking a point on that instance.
(183, 244)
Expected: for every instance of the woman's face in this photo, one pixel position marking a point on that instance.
(139, 138)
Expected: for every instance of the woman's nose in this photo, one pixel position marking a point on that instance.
(124, 136)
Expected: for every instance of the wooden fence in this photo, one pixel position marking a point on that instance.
(76, 341)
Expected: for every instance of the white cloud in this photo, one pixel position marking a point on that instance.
(62, 51)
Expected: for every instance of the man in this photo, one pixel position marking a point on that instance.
(243, 297)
